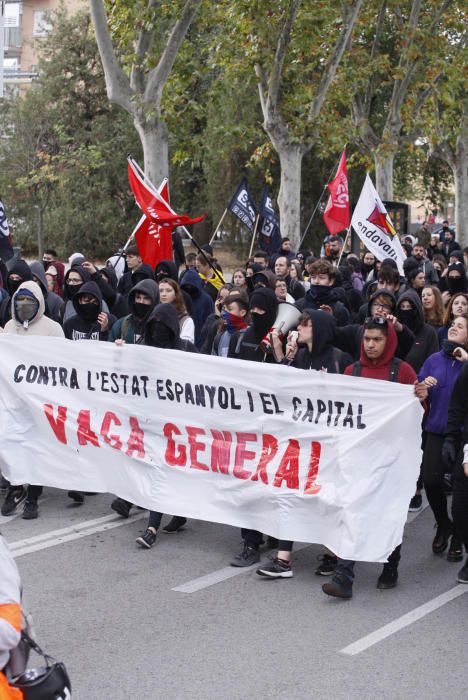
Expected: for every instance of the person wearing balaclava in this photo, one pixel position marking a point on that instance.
(410, 313)
(141, 301)
(74, 279)
(28, 319)
(106, 280)
(245, 345)
(90, 322)
(162, 331)
(53, 302)
(322, 292)
(19, 272)
(456, 278)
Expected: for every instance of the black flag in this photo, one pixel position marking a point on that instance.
(269, 236)
(242, 206)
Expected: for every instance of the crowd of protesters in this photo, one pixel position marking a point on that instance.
(358, 316)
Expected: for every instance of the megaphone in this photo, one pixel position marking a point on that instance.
(286, 319)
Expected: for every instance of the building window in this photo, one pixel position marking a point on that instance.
(42, 24)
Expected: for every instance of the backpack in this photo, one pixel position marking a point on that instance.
(393, 373)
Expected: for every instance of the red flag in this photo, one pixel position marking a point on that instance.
(154, 231)
(336, 215)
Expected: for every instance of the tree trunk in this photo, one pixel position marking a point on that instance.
(289, 197)
(460, 176)
(154, 140)
(384, 175)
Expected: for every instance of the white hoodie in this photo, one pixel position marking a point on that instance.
(40, 325)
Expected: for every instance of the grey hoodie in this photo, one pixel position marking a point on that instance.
(40, 324)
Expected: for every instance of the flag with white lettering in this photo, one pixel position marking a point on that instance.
(6, 248)
(336, 214)
(242, 205)
(269, 236)
(374, 227)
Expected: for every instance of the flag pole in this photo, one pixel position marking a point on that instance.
(344, 245)
(129, 240)
(202, 252)
(319, 201)
(217, 227)
(254, 235)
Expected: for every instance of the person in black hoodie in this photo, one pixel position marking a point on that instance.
(19, 272)
(74, 279)
(322, 294)
(90, 322)
(410, 313)
(202, 305)
(162, 331)
(245, 345)
(53, 303)
(106, 280)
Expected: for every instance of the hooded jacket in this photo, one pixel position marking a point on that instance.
(40, 324)
(53, 303)
(245, 344)
(130, 328)
(20, 268)
(319, 295)
(77, 328)
(323, 354)
(69, 310)
(381, 368)
(349, 338)
(167, 315)
(106, 280)
(202, 305)
(169, 267)
(426, 340)
(267, 277)
(130, 278)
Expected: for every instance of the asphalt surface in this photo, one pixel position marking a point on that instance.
(108, 609)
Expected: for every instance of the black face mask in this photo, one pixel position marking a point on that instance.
(72, 289)
(13, 285)
(456, 284)
(161, 275)
(320, 293)
(408, 318)
(193, 292)
(160, 336)
(140, 310)
(261, 323)
(448, 346)
(89, 312)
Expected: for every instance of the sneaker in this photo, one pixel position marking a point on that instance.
(339, 587)
(30, 510)
(455, 552)
(121, 507)
(15, 496)
(415, 503)
(147, 539)
(441, 538)
(247, 557)
(77, 496)
(463, 573)
(277, 569)
(327, 566)
(177, 523)
(388, 578)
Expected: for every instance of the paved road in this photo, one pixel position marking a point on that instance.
(109, 609)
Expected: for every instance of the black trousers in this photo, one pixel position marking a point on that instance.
(252, 537)
(433, 469)
(460, 505)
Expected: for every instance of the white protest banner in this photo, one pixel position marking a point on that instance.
(374, 227)
(299, 455)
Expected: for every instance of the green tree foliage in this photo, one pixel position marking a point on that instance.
(64, 150)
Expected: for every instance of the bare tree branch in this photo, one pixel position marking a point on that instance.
(281, 48)
(262, 88)
(117, 83)
(159, 75)
(334, 60)
(143, 45)
(367, 101)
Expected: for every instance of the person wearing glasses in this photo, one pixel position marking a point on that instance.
(378, 361)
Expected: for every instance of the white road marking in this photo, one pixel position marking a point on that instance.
(403, 621)
(227, 572)
(69, 534)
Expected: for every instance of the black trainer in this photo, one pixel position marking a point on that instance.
(388, 578)
(77, 496)
(327, 566)
(278, 568)
(415, 503)
(455, 552)
(30, 510)
(174, 525)
(121, 507)
(338, 587)
(463, 573)
(441, 538)
(15, 496)
(147, 539)
(247, 556)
